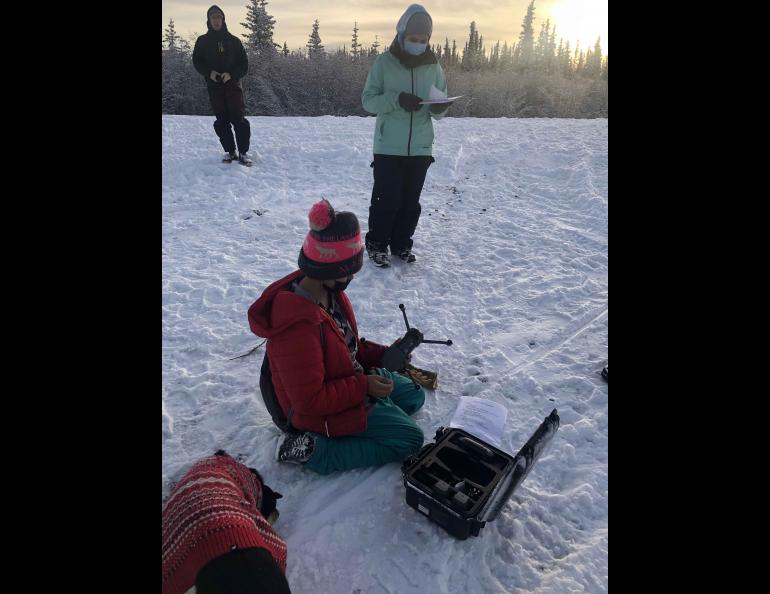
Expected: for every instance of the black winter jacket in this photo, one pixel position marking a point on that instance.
(221, 51)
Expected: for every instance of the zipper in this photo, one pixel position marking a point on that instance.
(411, 118)
(333, 324)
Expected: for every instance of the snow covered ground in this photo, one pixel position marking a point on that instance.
(512, 266)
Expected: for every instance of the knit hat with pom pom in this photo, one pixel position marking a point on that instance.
(333, 246)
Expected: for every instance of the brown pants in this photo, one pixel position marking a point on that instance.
(228, 106)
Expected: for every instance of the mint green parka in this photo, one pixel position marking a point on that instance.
(397, 131)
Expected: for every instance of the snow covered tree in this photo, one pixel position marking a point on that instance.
(494, 56)
(505, 56)
(525, 48)
(594, 60)
(314, 48)
(259, 28)
(170, 37)
(565, 63)
(355, 47)
(285, 50)
(551, 61)
(577, 61)
(545, 50)
(471, 50)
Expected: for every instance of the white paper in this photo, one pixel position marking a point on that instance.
(481, 417)
(436, 95)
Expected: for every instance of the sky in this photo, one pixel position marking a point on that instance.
(582, 20)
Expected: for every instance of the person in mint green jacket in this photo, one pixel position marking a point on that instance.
(399, 79)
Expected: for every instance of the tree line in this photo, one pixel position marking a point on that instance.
(533, 76)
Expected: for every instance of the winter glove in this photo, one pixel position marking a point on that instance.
(439, 107)
(226, 76)
(409, 102)
(214, 76)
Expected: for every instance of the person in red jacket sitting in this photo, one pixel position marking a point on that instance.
(344, 410)
(217, 532)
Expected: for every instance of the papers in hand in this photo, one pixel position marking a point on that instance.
(480, 417)
(438, 96)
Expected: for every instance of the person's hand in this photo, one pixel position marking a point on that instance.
(409, 356)
(226, 76)
(378, 386)
(439, 107)
(214, 75)
(409, 102)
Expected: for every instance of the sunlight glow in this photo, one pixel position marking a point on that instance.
(580, 20)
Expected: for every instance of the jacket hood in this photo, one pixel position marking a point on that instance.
(411, 10)
(279, 308)
(224, 20)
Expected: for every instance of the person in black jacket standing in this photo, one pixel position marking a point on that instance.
(219, 56)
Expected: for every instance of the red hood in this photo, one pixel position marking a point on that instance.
(278, 308)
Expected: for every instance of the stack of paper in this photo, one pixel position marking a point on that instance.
(480, 417)
(438, 96)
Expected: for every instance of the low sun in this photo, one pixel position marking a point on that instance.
(579, 20)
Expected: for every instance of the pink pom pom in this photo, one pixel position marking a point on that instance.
(321, 215)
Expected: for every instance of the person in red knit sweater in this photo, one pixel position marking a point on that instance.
(217, 532)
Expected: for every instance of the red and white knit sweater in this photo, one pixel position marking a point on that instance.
(211, 511)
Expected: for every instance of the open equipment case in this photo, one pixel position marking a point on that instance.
(461, 482)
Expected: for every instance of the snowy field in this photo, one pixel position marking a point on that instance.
(512, 266)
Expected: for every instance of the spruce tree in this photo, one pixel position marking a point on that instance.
(594, 63)
(314, 48)
(525, 47)
(259, 28)
(171, 38)
(355, 47)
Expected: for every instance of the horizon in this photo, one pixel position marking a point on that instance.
(580, 21)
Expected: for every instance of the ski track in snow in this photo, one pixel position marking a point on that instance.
(520, 288)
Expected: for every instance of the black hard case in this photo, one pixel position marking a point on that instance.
(461, 482)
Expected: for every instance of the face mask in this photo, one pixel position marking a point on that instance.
(416, 49)
(338, 286)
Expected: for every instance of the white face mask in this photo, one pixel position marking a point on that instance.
(414, 48)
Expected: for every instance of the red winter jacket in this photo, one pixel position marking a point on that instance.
(310, 362)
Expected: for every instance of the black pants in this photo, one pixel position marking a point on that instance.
(395, 207)
(228, 105)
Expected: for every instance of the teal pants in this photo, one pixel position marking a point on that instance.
(391, 435)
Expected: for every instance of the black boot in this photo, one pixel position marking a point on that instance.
(378, 253)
